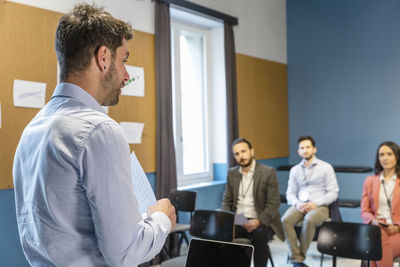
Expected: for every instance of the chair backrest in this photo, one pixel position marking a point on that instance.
(183, 200)
(214, 253)
(350, 240)
(213, 224)
(334, 212)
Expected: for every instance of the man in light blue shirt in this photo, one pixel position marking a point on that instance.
(311, 188)
(73, 187)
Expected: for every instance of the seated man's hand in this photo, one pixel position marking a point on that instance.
(165, 206)
(305, 207)
(309, 206)
(300, 206)
(252, 225)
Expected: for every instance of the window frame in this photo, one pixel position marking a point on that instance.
(176, 28)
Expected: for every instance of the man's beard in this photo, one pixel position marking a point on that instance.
(110, 87)
(309, 157)
(245, 165)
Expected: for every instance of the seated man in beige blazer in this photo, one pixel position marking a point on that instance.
(252, 190)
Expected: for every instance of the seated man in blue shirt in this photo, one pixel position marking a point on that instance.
(73, 187)
(311, 188)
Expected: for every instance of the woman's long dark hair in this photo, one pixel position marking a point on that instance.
(396, 151)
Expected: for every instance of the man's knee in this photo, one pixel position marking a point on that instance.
(288, 220)
(314, 221)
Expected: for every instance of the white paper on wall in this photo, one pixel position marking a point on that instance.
(133, 131)
(135, 85)
(29, 94)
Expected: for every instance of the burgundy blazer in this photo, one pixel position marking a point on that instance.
(370, 199)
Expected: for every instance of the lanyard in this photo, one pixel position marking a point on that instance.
(243, 194)
(388, 198)
(307, 179)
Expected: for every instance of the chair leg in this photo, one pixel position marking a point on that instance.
(334, 261)
(270, 256)
(322, 259)
(186, 238)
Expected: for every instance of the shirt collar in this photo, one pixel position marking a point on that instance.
(313, 163)
(76, 92)
(252, 168)
(393, 179)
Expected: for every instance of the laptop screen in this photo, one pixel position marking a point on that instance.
(211, 253)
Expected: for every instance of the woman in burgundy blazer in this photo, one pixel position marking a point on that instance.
(380, 201)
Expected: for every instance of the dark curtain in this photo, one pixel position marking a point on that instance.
(165, 156)
(166, 162)
(232, 128)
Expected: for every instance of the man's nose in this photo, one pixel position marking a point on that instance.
(126, 75)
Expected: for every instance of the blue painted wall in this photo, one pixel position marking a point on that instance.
(343, 76)
(10, 249)
(343, 80)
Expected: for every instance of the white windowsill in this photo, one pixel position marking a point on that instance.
(200, 185)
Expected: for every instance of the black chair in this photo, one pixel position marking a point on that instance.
(350, 240)
(246, 241)
(213, 224)
(207, 224)
(184, 202)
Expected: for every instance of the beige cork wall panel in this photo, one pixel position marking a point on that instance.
(27, 53)
(263, 105)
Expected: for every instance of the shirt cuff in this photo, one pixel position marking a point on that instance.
(164, 220)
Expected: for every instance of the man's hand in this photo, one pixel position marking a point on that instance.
(310, 206)
(305, 207)
(300, 207)
(165, 206)
(252, 225)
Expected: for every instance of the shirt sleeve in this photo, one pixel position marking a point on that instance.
(124, 237)
(292, 190)
(331, 188)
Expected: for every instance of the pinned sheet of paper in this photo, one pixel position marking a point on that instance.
(135, 85)
(141, 186)
(29, 94)
(133, 131)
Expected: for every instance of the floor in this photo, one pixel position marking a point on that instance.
(279, 255)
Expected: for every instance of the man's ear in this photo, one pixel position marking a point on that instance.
(101, 57)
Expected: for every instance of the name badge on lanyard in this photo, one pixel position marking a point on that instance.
(303, 196)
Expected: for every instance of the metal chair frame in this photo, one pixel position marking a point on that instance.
(183, 201)
(207, 224)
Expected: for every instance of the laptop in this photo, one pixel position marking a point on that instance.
(212, 253)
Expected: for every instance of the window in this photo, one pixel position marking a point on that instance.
(193, 82)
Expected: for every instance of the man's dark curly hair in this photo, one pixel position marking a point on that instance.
(81, 32)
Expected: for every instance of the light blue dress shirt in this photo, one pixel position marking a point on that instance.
(317, 181)
(73, 189)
